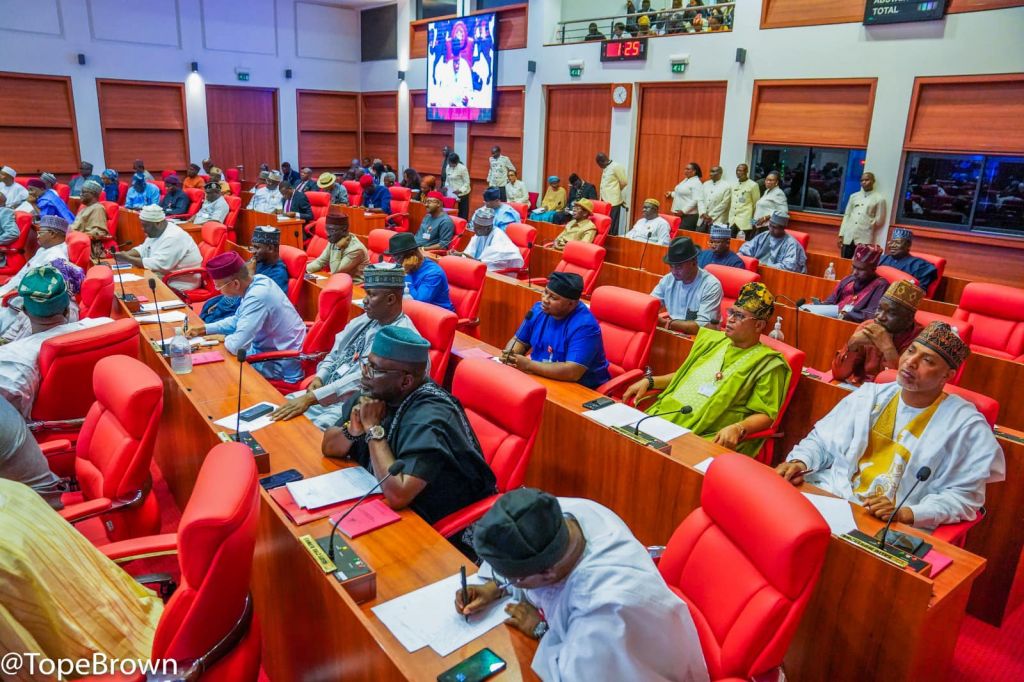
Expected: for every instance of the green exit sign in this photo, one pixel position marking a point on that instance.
(575, 71)
(678, 67)
(243, 75)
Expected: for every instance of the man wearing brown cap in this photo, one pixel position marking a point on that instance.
(876, 440)
(344, 252)
(581, 228)
(586, 588)
(877, 343)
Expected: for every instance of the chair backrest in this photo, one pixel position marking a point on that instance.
(23, 180)
(749, 263)
(747, 615)
(79, 249)
(460, 224)
(732, 280)
(585, 260)
(674, 223)
(68, 360)
(964, 329)
(122, 192)
(231, 175)
(997, 313)
(332, 314)
(989, 407)
(63, 191)
(602, 207)
(891, 274)
(399, 193)
(523, 236)
(213, 239)
(234, 206)
(604, 225)
(295, 262)
(940, 268)
(449, 202)
(115, 446)
(319, 203)
(802, 237)
(506, 436)
(236, 188)
(795, 358)
(113, 210)
(97, 292)
(167, 172)
(160, 186)
(437, 326)
(627, 319)
(318, 242)
(522, 209)
(216, 540)
(196, 197)
(355, 192)
(377, 243)
(466, 279)
(15, 251)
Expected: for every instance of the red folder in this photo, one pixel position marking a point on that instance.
(475, 353)
(302, 516)
(369, 516)
(939, 562)
(207, 357)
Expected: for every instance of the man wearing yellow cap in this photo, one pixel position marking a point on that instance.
(580, 228)
(651, 227)
(733, 383)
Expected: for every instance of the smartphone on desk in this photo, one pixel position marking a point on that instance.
(598, 403)
(482, 665)
(256, 412)
(279, 479)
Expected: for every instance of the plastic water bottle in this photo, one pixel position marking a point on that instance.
(776, 333)
(830, 271)
(407, 293)
(181, 353)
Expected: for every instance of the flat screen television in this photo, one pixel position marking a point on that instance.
(462, 69)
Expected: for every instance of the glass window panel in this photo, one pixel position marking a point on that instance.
(1001, 199)
(854, 169)
(941, 189)
(825, 179)
(791, 163)
(428, 9)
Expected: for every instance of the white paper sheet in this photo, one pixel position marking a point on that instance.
(337, 486)
(623, 415)
(702, 466)
(821, 309)
(164, 305)
(836, 511)
(427, 617)
(229, 421)
(170, 317)
(129, 277)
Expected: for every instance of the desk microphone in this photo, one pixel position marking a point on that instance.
(120, 280)
(240, 356)
(163, 345)
(529, 264)
(643, 251)
(393, 470)
(923, 474)
(685, 409)
(798, 303)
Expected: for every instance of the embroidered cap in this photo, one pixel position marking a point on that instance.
(384, 276)
(44, 292)
(265, 234)
(941, 338)
(905, 293)
(719, 231)
(869, 254)
(755, 298)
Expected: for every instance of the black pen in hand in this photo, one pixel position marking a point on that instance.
(465, 590)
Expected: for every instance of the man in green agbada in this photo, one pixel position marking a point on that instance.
(734, 383)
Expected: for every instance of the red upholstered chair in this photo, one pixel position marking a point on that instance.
(23, 180)
(332, 314)
(533, 199)
(97, 292)
(988, 407)
(940, 269)
(964, 329)
(63, 191)
(195, 198)
(461, 225)
(319, 202)
(160, 186)
(122, 192)
(795, 359)
(234, 206)
(749, 263)
(997, 313)
(602, 207)
(236, 188)
(466, 279)
(437, 326)
(15, 251)
(295, 262)
(318, 241)
(377, 244)
(802, 237)
(208, 624)
(68, 361)
(166, 173)
(213, 241)
(732, 280)
(79, 249)
(522, 209)
(627, 319)
(745, 577)
(114, 452)
(449, 202)
(674, 223)
(603, 224)
(582, 258)
(523, 236)
(113, 211)
(891, 274)
(401, 197)
(353, 187)
(232, 175)
(506, 435)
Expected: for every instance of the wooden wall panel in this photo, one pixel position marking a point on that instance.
(146, 120)
(782, 13)
(579, 122)
(33, 138)
(829, 113)
(512, 28)
(957, 6)
(506, 131)
(379, 126)
(967, 113)
(328, 124)
(426, 138)
(243, 127)
(678, 123)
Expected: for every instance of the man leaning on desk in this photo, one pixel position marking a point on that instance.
(400, 414)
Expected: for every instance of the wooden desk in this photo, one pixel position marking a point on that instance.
(311, 627)
(248, 221)
(129, 227)
(361, 221)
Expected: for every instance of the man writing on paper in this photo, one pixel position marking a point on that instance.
(559, 338)
(401, 414)
(734, 384)
(337, 375)
(587, 590)
(880, 435)
(167, 248)
(265, 320)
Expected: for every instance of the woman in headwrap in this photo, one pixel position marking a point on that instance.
(111, 188)
(92, 218)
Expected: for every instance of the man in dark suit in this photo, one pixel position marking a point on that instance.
(295, 204)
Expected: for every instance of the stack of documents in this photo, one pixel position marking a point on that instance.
(163, 305)
(327, 489)
(836, 512)
(169, 317)
(625, 416)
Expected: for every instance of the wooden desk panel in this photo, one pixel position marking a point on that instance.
(129, 227)
(248, 221)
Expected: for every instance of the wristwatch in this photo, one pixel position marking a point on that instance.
(540, 630)
(375, 432)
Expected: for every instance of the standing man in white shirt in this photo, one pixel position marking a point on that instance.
(167, 248)
(687, 195)
(215, 208)
(864, 217)
(587, 590)
(713, 203)
(613, 181)
(651, 227)
(744, 196)
(497, 174)
(15, 193)
(268, 199)
(773, 201)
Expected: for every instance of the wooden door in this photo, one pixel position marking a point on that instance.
(579, 124)
(243, 128)
(679, 123)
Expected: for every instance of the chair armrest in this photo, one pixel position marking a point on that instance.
(101, 505)
(271, 355)
(468, 322)
(398, 215)
(56, 447)
(542, 281)
(56, 425)
(140, 548)
(614, 388)
(7, 248)
(465, 517)
(6, 300)
(770, 432)
(178, 274)
(956, 533)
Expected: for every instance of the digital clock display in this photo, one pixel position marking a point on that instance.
(634, 49)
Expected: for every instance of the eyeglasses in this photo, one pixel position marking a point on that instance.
(375, 372)
(737, 314)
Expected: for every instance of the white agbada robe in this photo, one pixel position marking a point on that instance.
(172, 250)
(496, 251)
(655, 231)
(958, 446)
(613, 618)
(40, 257)
(16, 194)
(265, 200)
